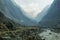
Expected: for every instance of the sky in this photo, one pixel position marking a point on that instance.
(33, 7)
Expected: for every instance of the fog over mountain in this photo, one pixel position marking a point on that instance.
(52, 19)
(33, 8)
(28, 13)
(14, 13)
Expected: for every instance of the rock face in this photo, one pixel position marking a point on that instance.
(50, 35)
(52, 19)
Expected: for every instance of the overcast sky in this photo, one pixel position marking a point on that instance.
(33, 7)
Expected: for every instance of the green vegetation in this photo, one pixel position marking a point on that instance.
(24, 33)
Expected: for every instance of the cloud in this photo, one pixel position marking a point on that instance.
(33, 7)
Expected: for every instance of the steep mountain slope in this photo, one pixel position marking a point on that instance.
(12, 11)
(52, 19)
(43, 13)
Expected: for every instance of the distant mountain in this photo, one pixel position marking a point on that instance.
(52, 19)
(42, 13)
(13, 12)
